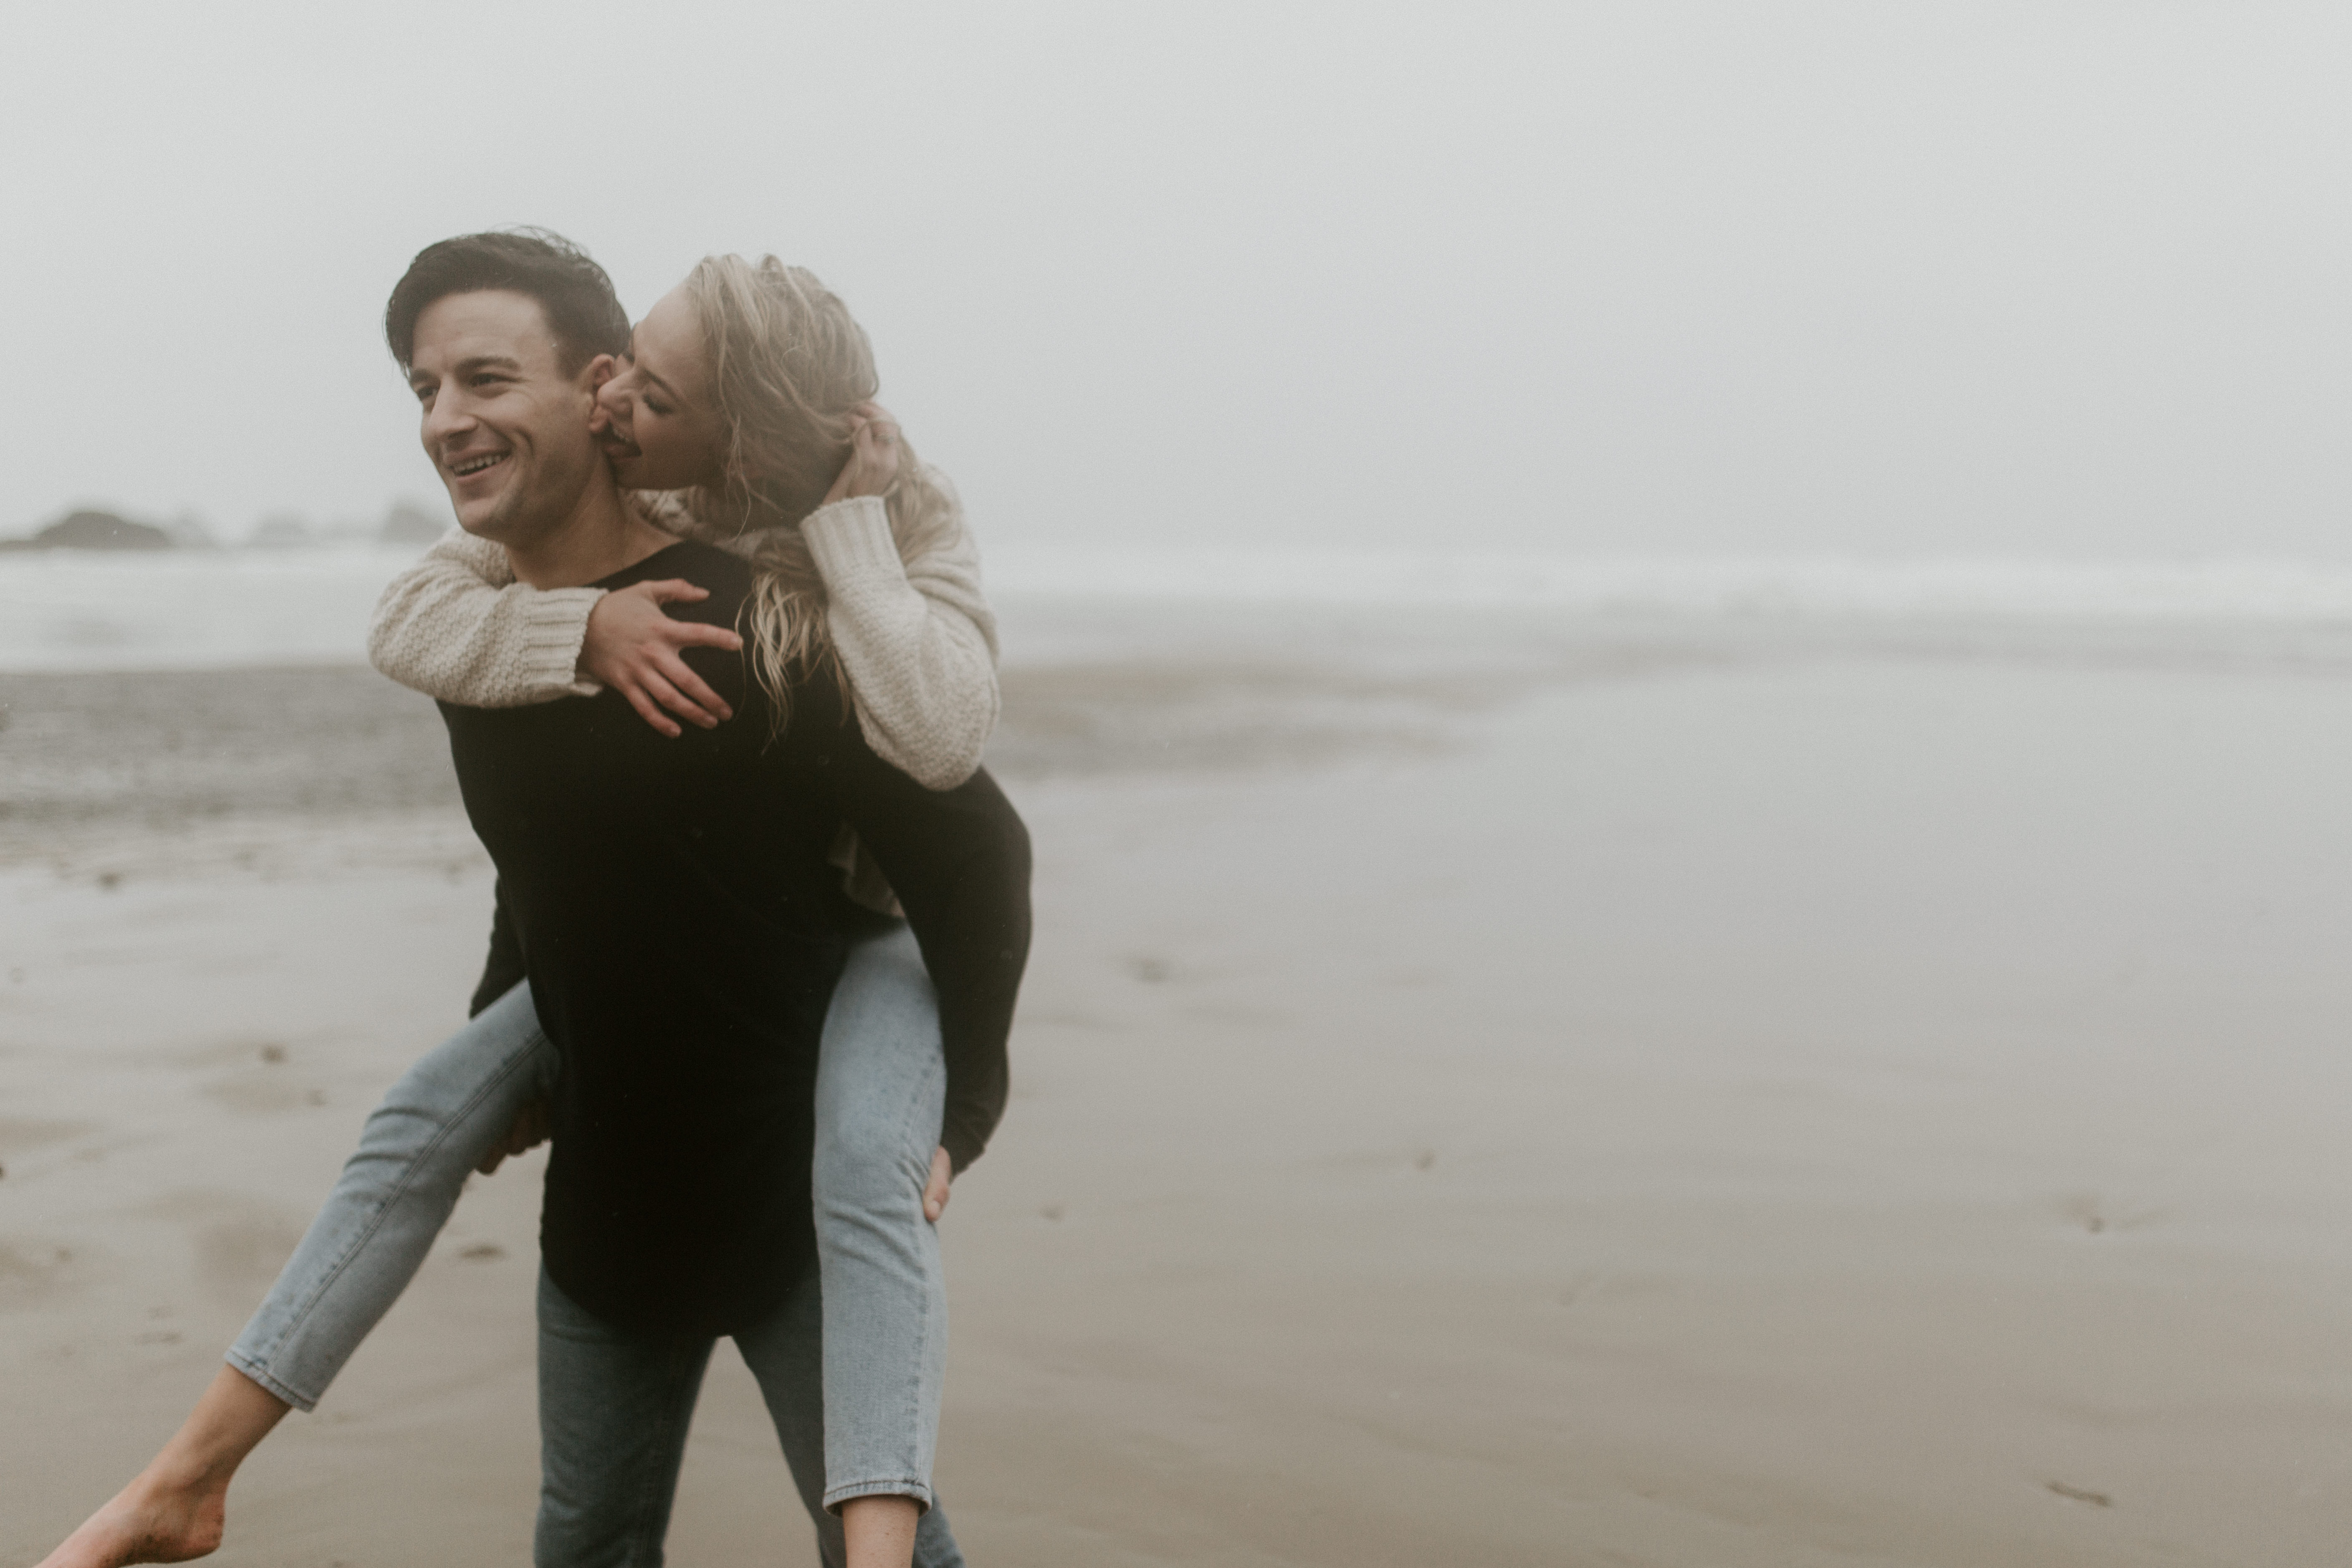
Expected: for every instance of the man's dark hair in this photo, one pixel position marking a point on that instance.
(581, 308)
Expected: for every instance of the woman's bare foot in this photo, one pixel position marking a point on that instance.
(153, 1520)
(174, 1509)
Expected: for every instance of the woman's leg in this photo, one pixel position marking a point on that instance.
(395, 1194)
(614, 1409)
(881, 1089)
(176, 1508)
(789, 1355)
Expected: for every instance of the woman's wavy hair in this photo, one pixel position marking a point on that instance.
(787, 364)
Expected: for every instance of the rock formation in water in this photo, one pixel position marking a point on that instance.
(89, 530)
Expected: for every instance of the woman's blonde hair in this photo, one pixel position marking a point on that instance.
(788, 363)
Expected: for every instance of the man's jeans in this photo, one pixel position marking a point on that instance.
(881, 1088)
(614, 1409)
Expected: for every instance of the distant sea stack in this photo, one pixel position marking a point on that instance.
(93, 531)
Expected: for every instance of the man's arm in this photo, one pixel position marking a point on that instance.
(502, 971)
(960, 861)
(501, 974)
(457, 627)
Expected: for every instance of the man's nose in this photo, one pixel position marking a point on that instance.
(448, 417)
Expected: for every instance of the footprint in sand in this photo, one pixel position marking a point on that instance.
(239, 1254)
(29, 1271)
(2097, 1215)
(258, 1096)
(19, 1134)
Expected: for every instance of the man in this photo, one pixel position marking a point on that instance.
(681, 924)
(676, 910)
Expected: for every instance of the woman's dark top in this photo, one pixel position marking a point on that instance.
(681, 925)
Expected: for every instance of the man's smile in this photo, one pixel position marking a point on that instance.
(466, 468)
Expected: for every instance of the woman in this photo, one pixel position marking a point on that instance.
(748, 390)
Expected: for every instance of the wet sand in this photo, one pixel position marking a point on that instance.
(1601, 1093)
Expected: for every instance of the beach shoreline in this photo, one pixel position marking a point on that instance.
(1540, 1092)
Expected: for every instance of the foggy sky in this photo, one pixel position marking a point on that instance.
(1651, 279)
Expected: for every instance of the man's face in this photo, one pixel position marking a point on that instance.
(506, 427)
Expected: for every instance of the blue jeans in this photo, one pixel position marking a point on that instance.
(614, 1409)
(881, 1092)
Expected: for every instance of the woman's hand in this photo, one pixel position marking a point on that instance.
(935, 1191)
(873, 466)
(633, 647)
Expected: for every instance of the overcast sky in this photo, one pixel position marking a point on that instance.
(1888, 280)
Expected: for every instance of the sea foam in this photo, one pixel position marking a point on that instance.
(71, 610)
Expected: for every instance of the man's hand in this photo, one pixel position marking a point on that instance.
(873, 466)
(528, 1132)
(633, 647)
(935, 1191)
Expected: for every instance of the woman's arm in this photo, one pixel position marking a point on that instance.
(916, 638)
(456, 625)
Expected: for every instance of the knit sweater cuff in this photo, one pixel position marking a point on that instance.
(851, 543)
(554, 627)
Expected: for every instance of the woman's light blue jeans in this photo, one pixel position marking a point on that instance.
(881, 1090)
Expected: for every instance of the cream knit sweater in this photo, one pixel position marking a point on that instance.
(915, 639)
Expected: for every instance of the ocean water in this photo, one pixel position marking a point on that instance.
(189, 609)
(70, 610)
(1793, 588)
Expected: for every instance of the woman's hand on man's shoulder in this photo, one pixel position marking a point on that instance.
(634, 647)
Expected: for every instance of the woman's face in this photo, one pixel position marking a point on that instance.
(661, 428)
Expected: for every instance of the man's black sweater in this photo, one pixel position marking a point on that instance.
(682, 928)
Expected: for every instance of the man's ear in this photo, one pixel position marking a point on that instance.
(597, 371)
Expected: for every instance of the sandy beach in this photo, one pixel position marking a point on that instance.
(1531, 1090)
